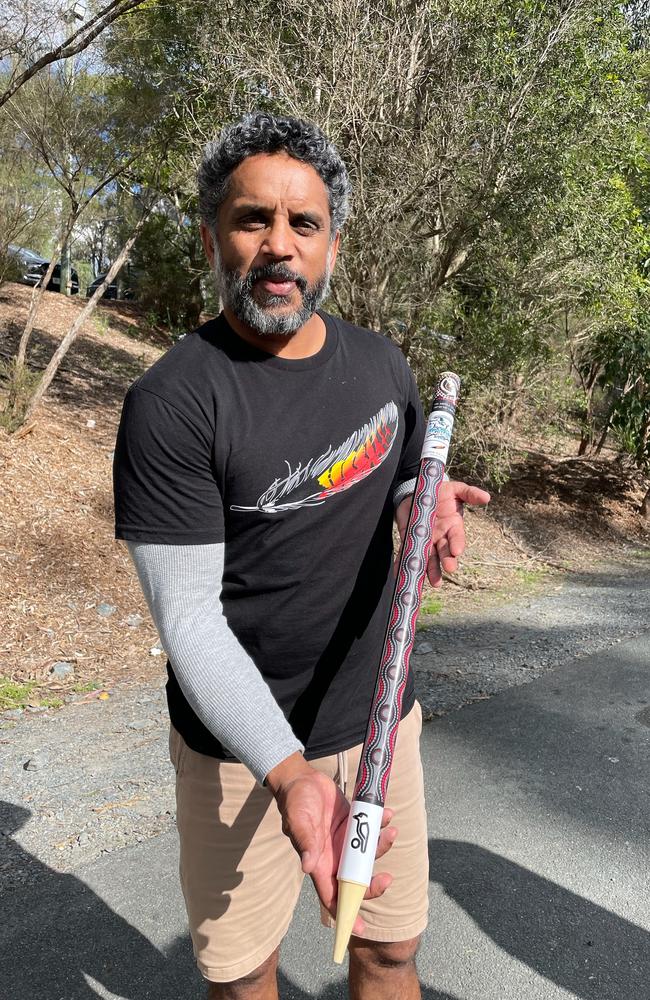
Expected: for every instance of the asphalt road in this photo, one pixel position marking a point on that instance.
(539, 818)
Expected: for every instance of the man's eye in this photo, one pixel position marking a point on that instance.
(305, 225)
(252, 222)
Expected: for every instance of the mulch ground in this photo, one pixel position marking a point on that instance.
(60, 567)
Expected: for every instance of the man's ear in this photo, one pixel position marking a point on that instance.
(333, 250)
(207, 239)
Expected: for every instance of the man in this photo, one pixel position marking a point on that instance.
(258, 468)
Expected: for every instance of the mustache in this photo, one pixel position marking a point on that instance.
(274, 272)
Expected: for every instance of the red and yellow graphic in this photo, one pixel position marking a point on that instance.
(336, 470)
(360, 462)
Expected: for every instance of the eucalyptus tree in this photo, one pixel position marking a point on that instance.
(89, 135)
(30, 35)
(487, 143)
(465, 124)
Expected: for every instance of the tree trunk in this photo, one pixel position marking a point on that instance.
(585, 443)
(588, 384)
(644, 509)
(73, 332)
(35, 304)
(603, 436)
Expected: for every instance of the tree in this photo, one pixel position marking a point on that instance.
(21, 32)
(66, 131)
(612, 358)
(38, 391)
(483, 140)
(491, 148)
(85, 134)
(169, 265)
(160, 53)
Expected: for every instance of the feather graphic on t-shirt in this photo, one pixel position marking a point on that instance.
(336, 470)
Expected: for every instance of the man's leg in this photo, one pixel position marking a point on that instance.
(382, 963)
(240, 875)
(261, 984)
(383, 970)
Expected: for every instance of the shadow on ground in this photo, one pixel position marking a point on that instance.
(569, 940)
(63, 941)
(543, 477)
(551, 503)
(60, 940)
(578, 746)
(97, 373)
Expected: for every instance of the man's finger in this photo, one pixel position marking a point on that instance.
(456, 539)
(386, 840)
(327, 891)
(442, 547)
(471, 494)
(448, 562)
(378, 885)
(433, 569)
(310, 847)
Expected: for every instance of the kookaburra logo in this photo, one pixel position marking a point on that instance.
(360, 841)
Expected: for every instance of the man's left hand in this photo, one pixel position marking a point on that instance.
(448, 530)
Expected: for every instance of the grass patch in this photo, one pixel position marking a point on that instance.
(102, 322)
(13, 694)
(529, 577)
(49, 703)
(85, 687)
(431, 605)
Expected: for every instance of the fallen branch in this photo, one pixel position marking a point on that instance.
(539, 557)
(464, 586)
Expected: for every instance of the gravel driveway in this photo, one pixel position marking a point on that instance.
(95, 777)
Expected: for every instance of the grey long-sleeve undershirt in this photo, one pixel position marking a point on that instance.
(182, 586)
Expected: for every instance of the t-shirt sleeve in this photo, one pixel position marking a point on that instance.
(414, 428)
(163, 481)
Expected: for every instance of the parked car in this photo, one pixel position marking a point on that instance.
(111, 290)
(33, 267)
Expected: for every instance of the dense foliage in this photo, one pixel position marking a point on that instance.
(499, 154)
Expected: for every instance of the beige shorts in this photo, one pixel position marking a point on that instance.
(241, 876)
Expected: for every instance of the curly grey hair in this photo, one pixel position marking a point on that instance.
(261, 132)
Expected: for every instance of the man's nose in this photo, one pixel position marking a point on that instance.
(278, 241)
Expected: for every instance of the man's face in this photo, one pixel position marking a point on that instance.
(273, 255)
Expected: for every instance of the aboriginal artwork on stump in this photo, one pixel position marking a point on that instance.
(377, 756)
(358, 855)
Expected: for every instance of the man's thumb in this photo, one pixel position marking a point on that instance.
(310, 849)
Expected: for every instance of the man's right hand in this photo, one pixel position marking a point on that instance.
(314, 817)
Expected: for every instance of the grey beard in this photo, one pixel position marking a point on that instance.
(237, 294)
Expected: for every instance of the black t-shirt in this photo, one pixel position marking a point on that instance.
(291, 463)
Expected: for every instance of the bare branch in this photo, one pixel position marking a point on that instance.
(75, 43)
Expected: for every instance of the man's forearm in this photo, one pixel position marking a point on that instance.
(182, 586)
(405, 489)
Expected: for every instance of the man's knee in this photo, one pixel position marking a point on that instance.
(384, 954)
(252, 985)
